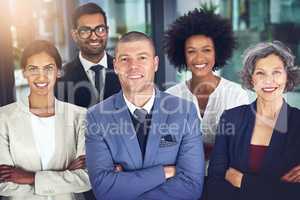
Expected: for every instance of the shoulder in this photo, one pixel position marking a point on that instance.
(172, 103)
(74, 109)
(227, 84)
(237, 113)
(103, 106)
(178, 90)
(233, 94)
(9, 110)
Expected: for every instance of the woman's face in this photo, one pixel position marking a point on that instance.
(41, 73)
(200, 55)
(269, 78)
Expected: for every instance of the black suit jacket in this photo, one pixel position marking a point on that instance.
(75, 87)
(232, 150)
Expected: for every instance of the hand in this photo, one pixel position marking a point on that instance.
(118, 168)
(16, 175)
(293, 176)
(78, 163)
(170, 171)
(234, 177)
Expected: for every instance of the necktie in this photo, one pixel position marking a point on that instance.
(98, 77)
(140, 115)
(141, 127)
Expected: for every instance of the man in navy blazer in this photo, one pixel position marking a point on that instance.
(89, 77)
(142, 143)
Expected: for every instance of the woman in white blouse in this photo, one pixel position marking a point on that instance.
(42, 153)
(202, 42)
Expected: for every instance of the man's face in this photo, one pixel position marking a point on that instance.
(95, 44)
(136, 64)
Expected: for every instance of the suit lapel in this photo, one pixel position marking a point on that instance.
(277, 143)
(26, 137)
(122, 117)
(159, 117)
(61, 118)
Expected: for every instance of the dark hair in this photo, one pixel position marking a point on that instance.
(134, 36)
(264, 49)
(199, 22)
(40, 46)
(87, 9)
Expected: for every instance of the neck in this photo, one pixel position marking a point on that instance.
(139, 99)
(204, 85)
(269, 109)
(42, 105)
(93, 58)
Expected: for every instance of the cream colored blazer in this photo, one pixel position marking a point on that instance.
(17, 148)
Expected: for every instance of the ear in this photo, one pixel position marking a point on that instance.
(59, 73)
(74, 35)
(24, 73)
(156, 63)
(115, 66)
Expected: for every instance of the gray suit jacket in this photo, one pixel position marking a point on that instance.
(17, 147)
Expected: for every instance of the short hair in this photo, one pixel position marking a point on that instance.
(87, 9)
(262, 50)
(134, 36)
(199, 22)
(41, 46)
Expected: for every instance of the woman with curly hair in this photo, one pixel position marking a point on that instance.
(202, 42)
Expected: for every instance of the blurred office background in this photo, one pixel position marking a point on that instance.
(253, 21)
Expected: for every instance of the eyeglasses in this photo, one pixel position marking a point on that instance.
(85, 32)
(35, 70)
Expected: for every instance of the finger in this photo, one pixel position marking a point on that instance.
(291, 176)
(297, 168)
(3, 167)
(77, 165)
(82, 156)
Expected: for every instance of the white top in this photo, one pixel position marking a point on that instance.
(226, 95)
(44, 137)
(90, 73)
(148, 106)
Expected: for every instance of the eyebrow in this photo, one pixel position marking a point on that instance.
(259, 68)
(40, 66)
(194, 46)
(142, 53)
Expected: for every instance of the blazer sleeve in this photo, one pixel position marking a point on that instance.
(188, 181)
(217, 186)
(259, 186)
(108, 184)
(9, 188)
(62, 182)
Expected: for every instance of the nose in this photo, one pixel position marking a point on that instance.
(93, 35)
(269, 78)
(133, 64)
(200, 57)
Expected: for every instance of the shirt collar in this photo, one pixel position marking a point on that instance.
(148, 106)
(88, 64)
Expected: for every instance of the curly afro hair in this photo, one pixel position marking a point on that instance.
(199, 22)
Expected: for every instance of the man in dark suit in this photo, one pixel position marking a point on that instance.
(90, 77)
(142, 143)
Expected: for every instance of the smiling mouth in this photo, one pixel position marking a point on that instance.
(41, 85)
(269, 89)
(200, 66)
(135, 76)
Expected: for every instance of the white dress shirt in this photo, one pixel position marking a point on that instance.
(90, 73)
(148, 105)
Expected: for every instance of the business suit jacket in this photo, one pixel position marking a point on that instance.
(173, 139)
(75, 87)
(17, 147)
(232, 150)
